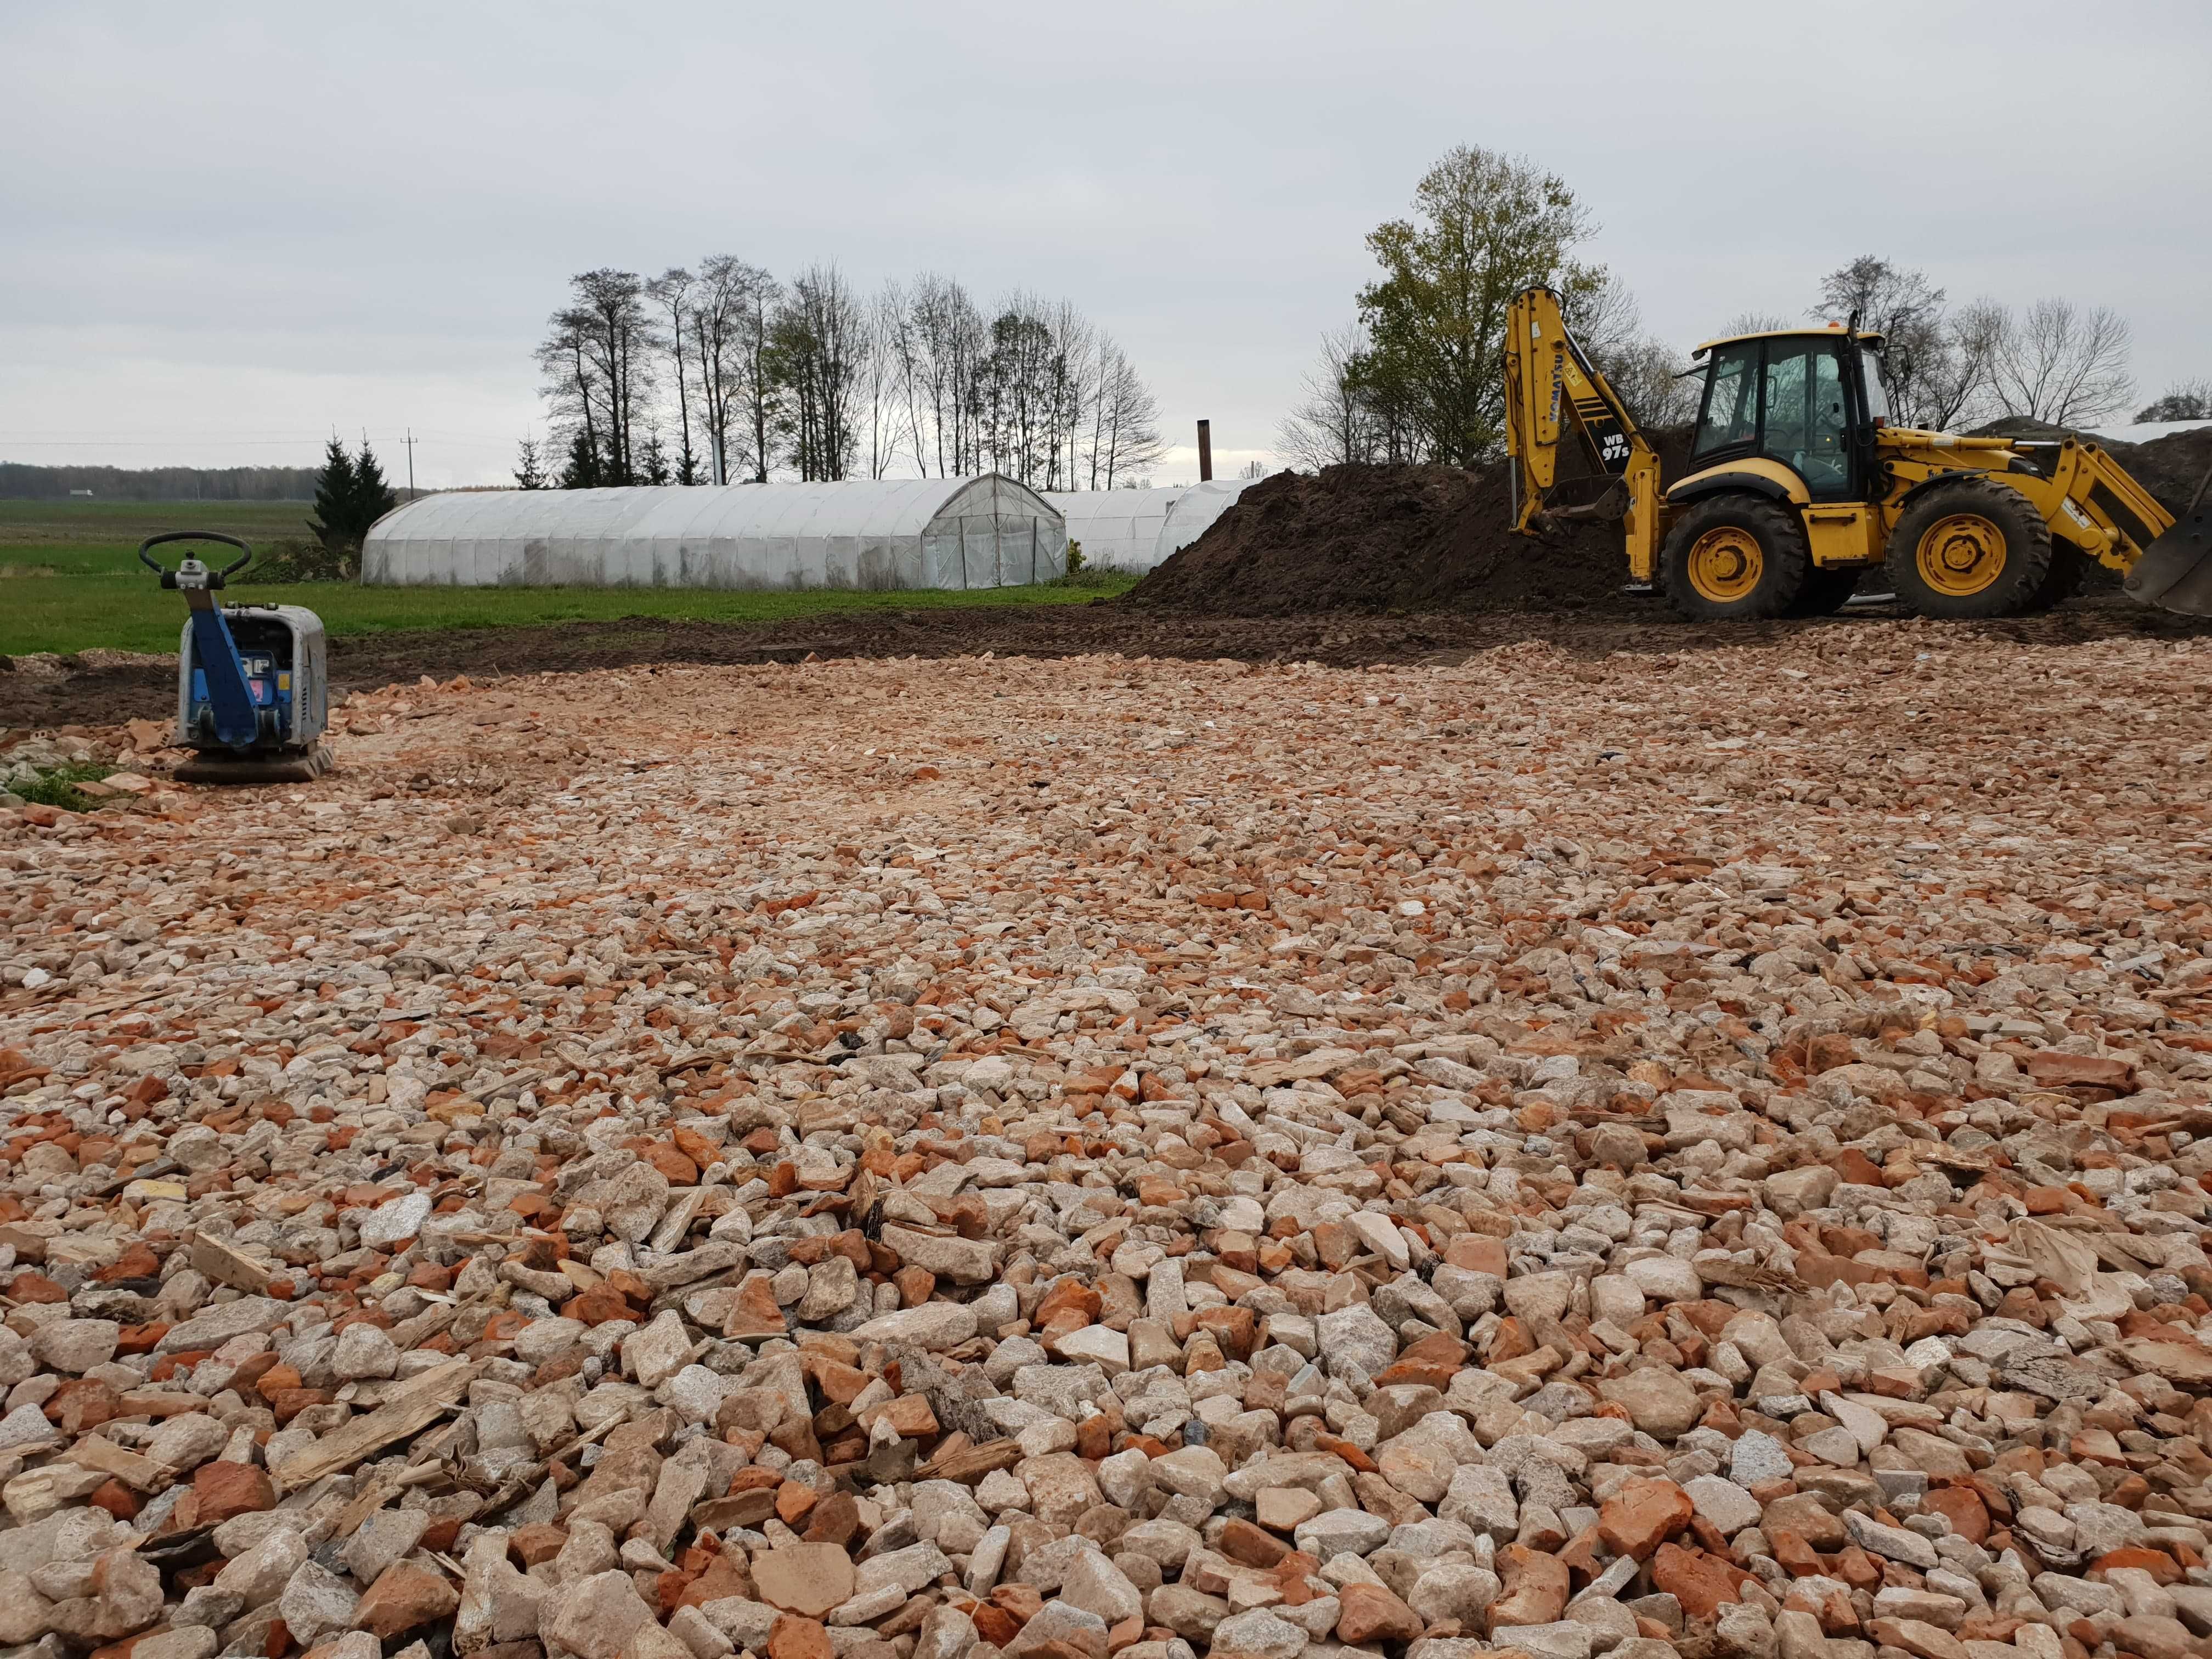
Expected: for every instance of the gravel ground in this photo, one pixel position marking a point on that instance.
(1559, 1153)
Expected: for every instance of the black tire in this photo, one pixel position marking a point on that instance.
(1824, 591)
(1734, 558)
(2070, 566)
(1969, 548)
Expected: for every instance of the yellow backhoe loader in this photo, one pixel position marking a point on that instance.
(1797, 482)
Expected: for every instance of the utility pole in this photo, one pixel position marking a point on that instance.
(410, 463)
(1206, 452)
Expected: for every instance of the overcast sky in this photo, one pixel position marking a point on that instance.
(226, 230)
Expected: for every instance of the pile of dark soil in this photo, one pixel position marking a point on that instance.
(2171, 467)
(1379, 539)
(1435, 539)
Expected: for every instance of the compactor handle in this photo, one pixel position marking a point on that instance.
(245, 553)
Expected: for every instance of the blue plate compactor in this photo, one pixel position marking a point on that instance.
(253, 680)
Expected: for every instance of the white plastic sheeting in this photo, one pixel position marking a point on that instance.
(987, 531)
(1117, 529)
(1194, 515)
(1134, 530)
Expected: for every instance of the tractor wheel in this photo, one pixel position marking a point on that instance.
(1734, 558)
(1973, 547)
(1824, 591)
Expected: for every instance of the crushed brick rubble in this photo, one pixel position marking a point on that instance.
(1561, 1154)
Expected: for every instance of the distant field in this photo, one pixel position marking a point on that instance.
(84, 538)
(69, 582)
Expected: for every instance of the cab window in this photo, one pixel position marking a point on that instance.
(1730, 414)
(1805, 425)
(1877, 389)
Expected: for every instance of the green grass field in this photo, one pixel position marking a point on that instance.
(69, 582)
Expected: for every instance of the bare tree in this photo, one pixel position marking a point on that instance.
(1331, 424)
(1937, 364)
(818, 379)
(1642, 369)
(762, 402)
(609, 320)
(723, 281)
(1018, 390)
(818, 347)
(1074, 389)
(572, 397)
(744, 406)
(1125, 429)
(1904, 306)
(673, 291)
(2062, 364)
(940, 343)
(883, 395)
(1649, 376)
(1962, 389)
(1755, 322)
(1602, 313)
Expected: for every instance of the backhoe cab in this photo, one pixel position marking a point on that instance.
(1797, 482)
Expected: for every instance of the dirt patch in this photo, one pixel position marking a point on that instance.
(83, 694)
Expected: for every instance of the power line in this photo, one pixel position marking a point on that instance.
(201, 443)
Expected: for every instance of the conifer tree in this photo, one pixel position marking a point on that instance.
(582, 471)
(350, 494)
(372, 497)
(335, 488)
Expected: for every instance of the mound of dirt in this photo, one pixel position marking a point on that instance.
(1374, 538)
(1434, 539)
(2171, 467)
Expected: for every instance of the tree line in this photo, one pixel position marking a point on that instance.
(727, 372)
(21, 482)
(1948, 367)
(1419, 375)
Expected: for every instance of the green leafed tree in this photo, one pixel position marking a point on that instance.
(1485, 226)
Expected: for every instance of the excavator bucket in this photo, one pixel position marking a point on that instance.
(2175, 571)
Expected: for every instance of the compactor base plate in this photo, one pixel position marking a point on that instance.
(277, 766)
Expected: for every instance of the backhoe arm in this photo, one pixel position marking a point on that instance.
(1550, 387)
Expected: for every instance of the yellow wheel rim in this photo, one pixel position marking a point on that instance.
(1726, 564)
(1961, 556)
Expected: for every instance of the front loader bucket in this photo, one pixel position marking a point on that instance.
(2175, 571)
